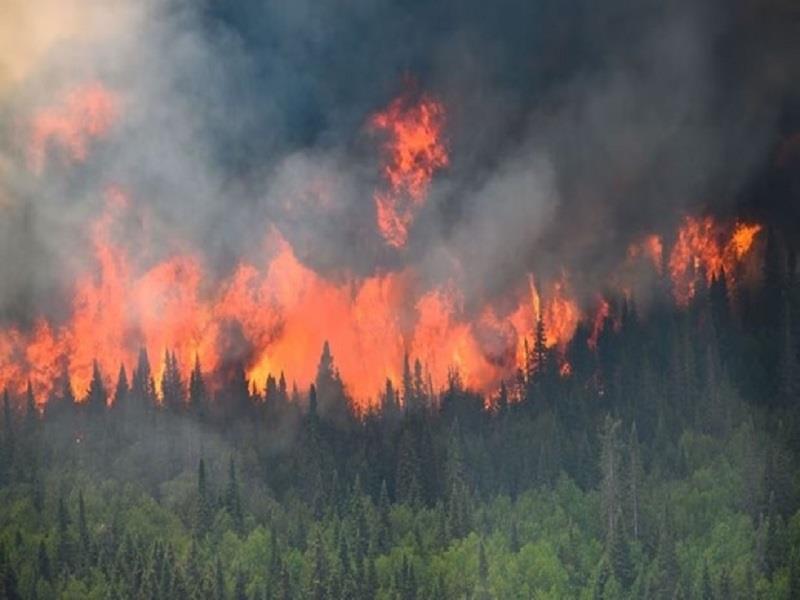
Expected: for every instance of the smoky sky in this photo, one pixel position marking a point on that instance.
(572, 127)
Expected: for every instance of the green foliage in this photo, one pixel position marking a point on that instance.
(654, 471)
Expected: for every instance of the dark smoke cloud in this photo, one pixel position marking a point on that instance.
(572, 128)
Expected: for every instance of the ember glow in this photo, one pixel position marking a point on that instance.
(414, 151)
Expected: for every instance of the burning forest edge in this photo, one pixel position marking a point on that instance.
(399, 301)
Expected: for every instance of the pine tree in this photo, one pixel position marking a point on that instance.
(64, 549)
(312, 403)
(204, 508)
(285, 584)
(319, 569)
(8, 441)
(458, 495)
(706, 591)
(610, 468)
(9, 584)
(634, 483)
(198, 395)
(219, 581)
(420, 396)
(333, 403)
(233, 502)
(788, 369)
(407, 479)
(619, 554)
(384, 520)
(482, 591)
(43, 568)
(239, 592)
(84, 539)
(724, 584)
(97, 397)
(143, 387)
(407, 385)
(121, 390)
(172, 388)
(502, 399)
(389, 405)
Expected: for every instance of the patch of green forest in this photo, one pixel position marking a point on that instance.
(664, 466)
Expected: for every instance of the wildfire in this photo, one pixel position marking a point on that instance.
(705, 249)
(560, 316)
(603, 311)
(414, 151)
(83, 114)
(651, 248)
(275, 313)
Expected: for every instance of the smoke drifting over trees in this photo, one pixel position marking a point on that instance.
(399, 300)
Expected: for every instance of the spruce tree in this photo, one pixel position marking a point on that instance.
(97, 397)
(198, 395)
(233, 501)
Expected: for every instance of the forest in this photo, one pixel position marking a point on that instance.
(662, 465)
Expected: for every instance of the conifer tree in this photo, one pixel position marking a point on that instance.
(97, 397)
(84, 539)
(233, 502)
(143, 387)
(121, 390)
(198, 395)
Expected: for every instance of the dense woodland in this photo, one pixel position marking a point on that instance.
(663, 466)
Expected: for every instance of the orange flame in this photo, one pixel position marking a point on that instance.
(275, 316)
(651, 248)
(603, 311)
(82, 114)
(705, 248)
(414, 152)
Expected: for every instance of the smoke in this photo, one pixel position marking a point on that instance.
(572, 129)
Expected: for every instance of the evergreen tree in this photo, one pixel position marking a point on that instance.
(239, 592)
(318, 584)
(172, 388)
(389, 405)
(198, 395)
(143, 387)
(233, 502)
(407, 479)
(482, 591)
(218, 589)
(121, 390)
(610, 467)
(43, 568)
(332, 400)
(64, 548)
(407, 385)
(634, 481)
(84, 539)
(706, 591)
(97, 397)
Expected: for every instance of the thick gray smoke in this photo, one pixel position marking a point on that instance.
(572, 127)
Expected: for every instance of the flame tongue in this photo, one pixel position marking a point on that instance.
(413, 151)
(705, 249)
(275, 316)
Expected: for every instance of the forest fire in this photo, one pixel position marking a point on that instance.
(273, 316)
(704, 249)
(83, 114)
(414, 151)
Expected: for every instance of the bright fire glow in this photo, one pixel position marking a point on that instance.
(705, 249)
(413, 152)
(82, 114)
